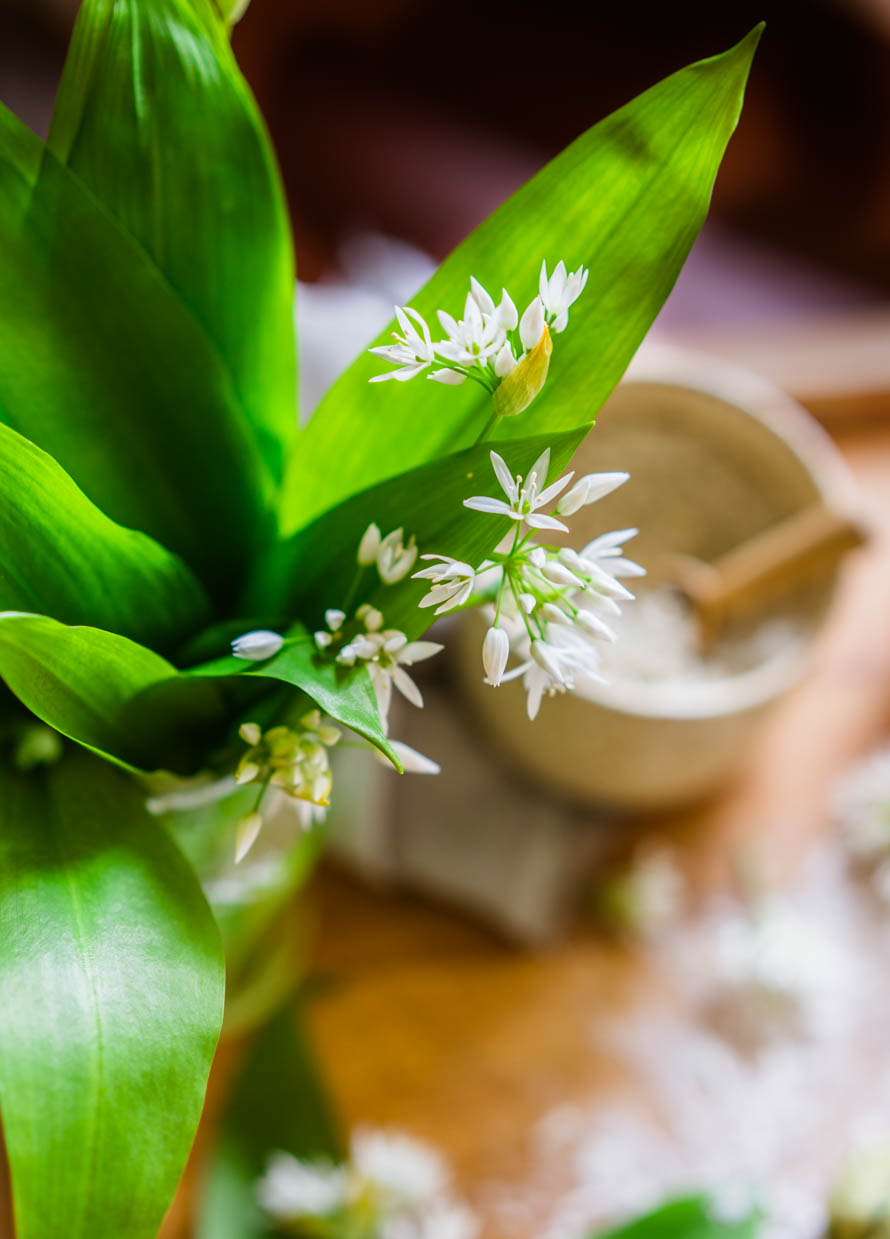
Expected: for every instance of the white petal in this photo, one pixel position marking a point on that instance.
(458, 600)
(545, 522)
(594, 625)
(508, 315)
(545, 656)
(609, 543)
(625, 567)
(334, 618)
(505, 362)
(412, 761)
(449, 325)
(540, 468)
(601, 484)
(559, 574)
(417, 651)
(555, 614)
(402, 376)
(552, 491)
(531, 325)
(451, 378)
(528, 602)
(560, 322)
(504, 476)
(406, 686)
(484, 503)
(483, 299)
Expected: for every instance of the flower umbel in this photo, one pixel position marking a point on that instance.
(491, 343)
(547, 603)
(392, 1187)
(292, 759)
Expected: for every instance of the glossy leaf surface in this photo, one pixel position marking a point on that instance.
(111, 985)
(627, 199)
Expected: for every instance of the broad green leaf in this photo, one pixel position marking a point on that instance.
(346, 693)
(111, 695)
(61, 556)
(690, 1217)
(111, 986)
(277, 1104)
(154, 116)
(103, 367)
(627, 200)
(316, 568)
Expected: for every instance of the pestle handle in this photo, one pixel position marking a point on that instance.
(774, 562)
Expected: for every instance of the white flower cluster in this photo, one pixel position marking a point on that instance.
(393, 1187)
(490, 341)
(862, 810)
(548, 601)
(295, 760)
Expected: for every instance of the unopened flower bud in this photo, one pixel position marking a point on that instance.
(495, 652)
(257, 646)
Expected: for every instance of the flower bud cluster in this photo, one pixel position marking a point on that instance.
(292, 759)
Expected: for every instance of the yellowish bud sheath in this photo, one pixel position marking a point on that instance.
(523, 383)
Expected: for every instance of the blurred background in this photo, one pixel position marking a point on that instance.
(686, 973)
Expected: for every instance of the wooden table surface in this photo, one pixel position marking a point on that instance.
(434, 1026)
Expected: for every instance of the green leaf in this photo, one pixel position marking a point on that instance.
(315, 568)
(103, 367)
(111, 695)
(690, 1217)
(345, 693)
(277, 1104)
(154, 116)
(61, 556)
(627, 200)
(111, 985)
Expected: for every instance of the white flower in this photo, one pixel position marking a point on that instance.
(257, 646)
(387, 669)
(291, 1189)
(495, 652)
(588, 489)
(411, 353)
(472, 339)
(405, 1170)
(559, 292)
(394, 559)
(523, 501)
(532, 324)
(453, 582)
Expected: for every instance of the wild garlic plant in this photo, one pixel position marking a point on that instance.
(203, 597)
(546, 604)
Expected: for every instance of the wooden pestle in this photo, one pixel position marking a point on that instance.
(747, 578)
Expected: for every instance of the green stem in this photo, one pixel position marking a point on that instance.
(487, 429)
